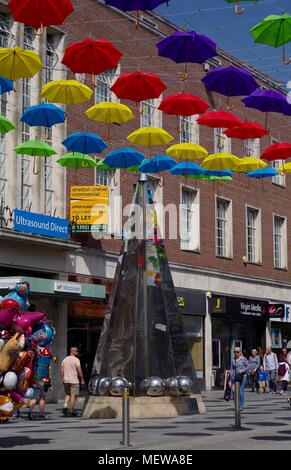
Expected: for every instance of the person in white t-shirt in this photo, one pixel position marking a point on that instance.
(71, 375)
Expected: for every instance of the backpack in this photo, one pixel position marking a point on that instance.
(282, 369)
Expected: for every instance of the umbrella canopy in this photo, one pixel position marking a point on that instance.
(138, 86)
(186, 47)
(187, 151)
(279, 151)
(275, 31)
(110, 112)
(248, 164)
(123, 158)
(219, 173)
(5, 125)
(239, 11)
(263, 173)
(187, 168)
(286, 168)
(157, 164)
(35, 148)
(220, 162)
(66, 92)
(219, 119)
(90, 56)
(183, 104)
(230, 81)
(129, 5)
(150, 136)
(246, 130)
(266, 101)
(41, 13)
(19, 63)
(46, 115)
(5, 85)
(101, 166)
(77, 161)
(84, 142)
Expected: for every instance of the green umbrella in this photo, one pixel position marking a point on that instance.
(210, 178)
(275, 31)
(5, 125)
(77, 161)
(35, 148)
(236, 8)
(101, 166)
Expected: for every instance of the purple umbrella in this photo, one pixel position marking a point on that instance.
(267, 101)
(230, 81)
(128, 5)
(187, 47)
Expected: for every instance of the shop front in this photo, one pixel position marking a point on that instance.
(236, 322)
(280, 326)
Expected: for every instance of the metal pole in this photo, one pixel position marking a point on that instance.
(237, 405)
(125, 418)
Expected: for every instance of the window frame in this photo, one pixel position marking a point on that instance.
(284, 243)
(229, 231)
(192, 243)
(193, 129)
(258, 236)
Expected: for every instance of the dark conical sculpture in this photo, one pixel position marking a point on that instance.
(143, 338)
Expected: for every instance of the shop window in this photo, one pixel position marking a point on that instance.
(280, 242)
(190, 221)
(254, 251)
(223, 228)
(193, 326)
(216, 354)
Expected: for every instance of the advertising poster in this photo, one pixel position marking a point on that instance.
(276, 338)
(89, 208)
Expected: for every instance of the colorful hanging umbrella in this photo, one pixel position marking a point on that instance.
(92, 57)
(275, 31)
(19, 63)
(248, 164)
(246, 130)
(219, 173)
(66, 92)
(101, 166)
(150, 136)
(220, 162)
(187, 151)
(35, 148)
(230, 81)
(5, 125)
(40, 13)
(136, 5)
(219, 119)
(187, 47)
(263, 173)
(46, 115)
(108, 112)
(157, 164)
(123, 158)
(5, 85)
(77, 161)
(84, 142)
(267, 101)
(237, 10)
(279, 151)
(187, 168)
(138, 86)
(183, 104)
(286, 168)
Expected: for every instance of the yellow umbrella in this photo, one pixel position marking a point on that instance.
(110, 112)
(66, 92)
(150, 136)
(247, 164)
(187, 151)
(19, 63)
(286, 168)
(220, 161)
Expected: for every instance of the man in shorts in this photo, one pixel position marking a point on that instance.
(40, 392)
(71, 375)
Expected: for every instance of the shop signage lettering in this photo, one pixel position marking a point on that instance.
(89, 208)
(41, 224)
(277, 311)
(233, 307)
(255, 310)
(181, 302)
(67, 287)
(8, 283)
(190, 301)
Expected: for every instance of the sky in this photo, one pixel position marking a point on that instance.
(216, 19)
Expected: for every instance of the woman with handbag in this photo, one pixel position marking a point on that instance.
(239, 369)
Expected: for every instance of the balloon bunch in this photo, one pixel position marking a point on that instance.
(24, 353)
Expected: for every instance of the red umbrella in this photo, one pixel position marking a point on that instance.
(138, 86)
(280, 151)
(40, 13)
(90, 56)
(183, 104)
(220, 119)
(246, 130)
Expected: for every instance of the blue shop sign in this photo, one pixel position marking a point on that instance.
(41, 224)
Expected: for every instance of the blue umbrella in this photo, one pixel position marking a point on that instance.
(46, 115)
(5, 85)
(123, 158)
(84, 142)
(263, 173)
(157, 164)
(219, 173)
(188, 168)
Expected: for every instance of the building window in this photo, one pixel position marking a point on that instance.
(279, 180)
(221, 142)
(3, 109)
(253, 236)
(252, 148)
(5, 31)
(280, 242)
(104, 177)
(150, 115)
(223, 228)
(190, 224)
(189, 129)
(104, 83)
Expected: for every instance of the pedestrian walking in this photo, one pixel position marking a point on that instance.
(71, 376)
(254, 364)
(270, 363)
(284, 375)
(262, 380)
(283, 355)
(239, 369)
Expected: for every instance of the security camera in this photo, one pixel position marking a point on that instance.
(209, 294)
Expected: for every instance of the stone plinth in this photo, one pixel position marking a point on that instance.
(143, 407)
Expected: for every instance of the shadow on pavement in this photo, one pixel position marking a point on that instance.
(13, 441)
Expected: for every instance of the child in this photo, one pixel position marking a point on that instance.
(262, 380)
(284, 375)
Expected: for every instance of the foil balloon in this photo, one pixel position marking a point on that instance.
(43, 334)
(20, 361)
(24, 379)
(29, 393)
(20, 293)
(6, 317)
(24, 322)
(10, 350)
(9, 381)
(2, 342)
(6, 406)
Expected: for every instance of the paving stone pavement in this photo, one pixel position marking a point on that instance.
(266, 424)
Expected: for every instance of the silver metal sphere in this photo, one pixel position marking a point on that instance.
(103, 386)
(93, 385)
(172, 387)
(185, 385)
(117, 386)
(153, 387)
